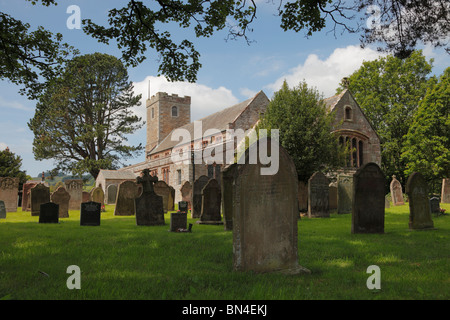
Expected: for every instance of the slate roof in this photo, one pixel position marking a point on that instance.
(115, 174)
(332, 101)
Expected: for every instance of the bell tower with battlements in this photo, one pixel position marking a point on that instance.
(164, 113)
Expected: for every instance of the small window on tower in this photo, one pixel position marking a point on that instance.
(153, 113)
(174, 111)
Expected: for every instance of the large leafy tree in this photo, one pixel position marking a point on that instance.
(304, 129)
(427, 145)
(83, 119)
(10, 166)
(389, 90)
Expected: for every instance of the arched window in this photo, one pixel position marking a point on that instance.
(153, 113)
(361, 153)
(354, 153)
(174, 111)
(348, 113)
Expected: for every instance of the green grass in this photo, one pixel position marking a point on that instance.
(120, 260)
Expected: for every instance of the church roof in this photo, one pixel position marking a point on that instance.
(331, 102)
(117, 174)
(218, 120)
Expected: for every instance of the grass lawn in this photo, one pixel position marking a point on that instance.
(119, 260)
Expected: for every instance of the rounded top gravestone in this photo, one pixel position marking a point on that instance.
(419, 203)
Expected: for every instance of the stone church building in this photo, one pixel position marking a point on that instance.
(167, 113)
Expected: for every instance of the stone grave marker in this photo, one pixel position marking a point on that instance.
(318, 195)
(111, 192)
(85, 196)
(302, 196)
(90, 213)
(39, 194)
(434, 205)
(396, 192)
(26, 204)
(199, 184)
(97, 195)
(368, 199)
(387, 204)
(445, 191)
(178, 221)
(227, 181)
(332, 198)
(9, 193)
(344, 193)
(2, 210)
(61, 197)
(162, 189)
(183, 206)
(75, 189)
(211, 203)
(265, 213)
(186, 193)
(126, 195)
(149, 205)
(419, 204)
(171, 204)
(49, 213)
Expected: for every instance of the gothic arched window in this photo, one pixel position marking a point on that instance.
(174, 111)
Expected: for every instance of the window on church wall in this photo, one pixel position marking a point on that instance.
(348, 116)
(165, 174)
(174, 111)
(349, 156)
(354, 153)
(361, 152)
(179, 176)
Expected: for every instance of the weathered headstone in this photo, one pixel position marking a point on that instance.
(126, 195)
(75, 189)
(111, 192)
(26, 204)
(368, 199)
(345, 191)
(49, 213)
(211, 203)
(265, 213)
(387, 204)
(396, 192)
(434, 205)
(9, 193)
(332, 197)
(62, 198)
(178, 221)
(39, 194)
(149, 205)
(2, 210)
(90, 213)
(162, 189)
(228, 177)
(186, 193)
(419, 204)
(97, 195)
(198, 186)
(183, 206)
(171, 204)
(85, 196)
(445, 191)
(302, 196)
(318, 195)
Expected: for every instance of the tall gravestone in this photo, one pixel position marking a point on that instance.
(344, 193)
(211, 203)
(318, 195)
(419, 203)
(26, 204)
(162, 189)
(39, 194)
(49, 213)
(186, 193)
(111, 194)
(198, 186)
(75, 189)
(368, 199)
(2, 210)
(90, 213)
(265, 213)
(85, 196)
(302, 196)
(445, 191)
(149, 205)
(396, 192)
(171, 204)
(97, 195)
(332, 196)
(228, 176)
(9, 193)
(126, 195)
(61, 197)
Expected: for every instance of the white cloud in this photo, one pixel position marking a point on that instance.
(13, 105)
(326, 74)
(248, 93)
(204, 100)
(3, 146)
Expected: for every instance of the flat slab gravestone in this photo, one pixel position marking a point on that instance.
(9, 193)
(49, 213)
(183, 206)
(26, 205)
(39, 194)
(149, 205)
(75, 189)
(368, 200)
(198, 186)
(178, 221)
(419, 203)
(211, 203)
(2, 210)
(186, 193)
(162, 189)
(97, 195)
(126, 195)
(111, 192)
(318, 195)
(90, 213)
(265, 213)
(344, 193)
(62, 198)
(396, 192)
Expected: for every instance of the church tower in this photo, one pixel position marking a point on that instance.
(164, 113)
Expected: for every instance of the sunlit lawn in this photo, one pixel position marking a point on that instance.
(119, 260)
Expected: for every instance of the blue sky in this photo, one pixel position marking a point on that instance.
(232, 70)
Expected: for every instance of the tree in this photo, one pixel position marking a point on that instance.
(389, 90)
(82, 120)
(10, 165)
(30, 58)
(427, 146)
(305, 129)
